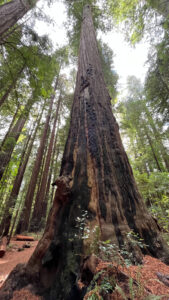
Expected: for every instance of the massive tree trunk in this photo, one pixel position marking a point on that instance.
(95, 178)
(40, 197)
(12, 11)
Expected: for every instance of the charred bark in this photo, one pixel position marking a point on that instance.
(96, 179)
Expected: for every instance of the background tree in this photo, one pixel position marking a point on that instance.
(145, 141)
(12, 11)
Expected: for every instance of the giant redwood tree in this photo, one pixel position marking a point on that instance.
(95, 179)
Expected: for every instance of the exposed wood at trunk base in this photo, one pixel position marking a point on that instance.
(17, 279)
(93, 271)
(96, 272)
(3, 246)
(24, 238)
(38, 273)
(25, 294)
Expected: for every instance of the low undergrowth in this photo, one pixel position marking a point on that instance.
(115, 282)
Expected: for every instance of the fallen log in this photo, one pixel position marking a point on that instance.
(3, 246)
(24, 238)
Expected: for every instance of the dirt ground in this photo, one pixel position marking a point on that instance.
(13, 257)
(145, 275)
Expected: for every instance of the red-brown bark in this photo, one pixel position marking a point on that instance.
(54, 171)
(24, 238)
(96, 179)
(32, 185)
(18, 180)
(40, 197)
(7, 213)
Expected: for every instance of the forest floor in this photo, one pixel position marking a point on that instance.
(15, 254)
(145, 281)
(142, 282)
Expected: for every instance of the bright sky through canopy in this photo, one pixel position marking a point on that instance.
(127, 60)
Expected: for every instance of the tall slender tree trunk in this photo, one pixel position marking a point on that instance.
(95, 178)
(141, 145)
(12, 138)
(165, 156)
(33, 223)
(153, 150)
(10, 201)
(18, 180)
(10, 127)
(40, 197)
(54, 172)
(36, 169)
(12, 11)
(158, 138)
(10, 88)
(45, 202)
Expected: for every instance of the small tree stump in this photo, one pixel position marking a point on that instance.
(3, 246)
